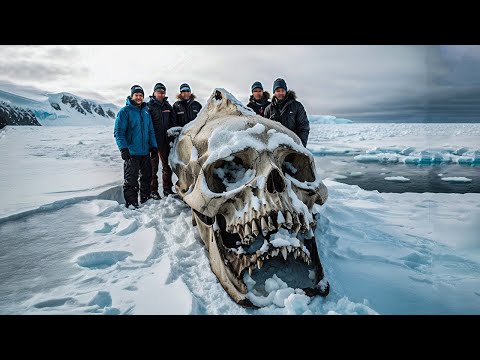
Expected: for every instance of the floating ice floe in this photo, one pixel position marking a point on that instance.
(456, 179)
(397, 178)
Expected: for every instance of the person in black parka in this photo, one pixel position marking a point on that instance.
(259, 100)
(288, 111)
(163, 118)
(186, 108)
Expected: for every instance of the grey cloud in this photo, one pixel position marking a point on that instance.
(36, 71)
(38, 63)
(346, 81)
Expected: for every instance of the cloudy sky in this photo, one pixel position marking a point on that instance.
(357, 82)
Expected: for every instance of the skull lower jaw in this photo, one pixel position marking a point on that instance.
(233, 269)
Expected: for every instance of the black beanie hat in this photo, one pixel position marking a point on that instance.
(279, 83)
(257, 85)
(185, 87)
(136, 89)
(159, 86)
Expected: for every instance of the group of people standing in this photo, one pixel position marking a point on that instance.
(141, 135)
(141, 131)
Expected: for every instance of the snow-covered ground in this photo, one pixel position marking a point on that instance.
(41, 165)
(382, 253)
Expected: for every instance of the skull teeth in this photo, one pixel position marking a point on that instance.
(248, 230)
(255, 230)
(239, 229)
(271, 227)
(288, 220)
(264, 226)
(259, 263)
(256, 261)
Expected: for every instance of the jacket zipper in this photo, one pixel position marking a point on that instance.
(141, 127)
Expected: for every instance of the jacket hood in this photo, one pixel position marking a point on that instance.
(266, 96)
(192, 97)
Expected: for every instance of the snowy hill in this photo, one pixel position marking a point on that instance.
(327, 119)
(25, 106)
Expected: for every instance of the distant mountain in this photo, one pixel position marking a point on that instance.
(21, 106)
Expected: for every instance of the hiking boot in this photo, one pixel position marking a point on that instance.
(135, 205)
(168, 192)
(155, 195)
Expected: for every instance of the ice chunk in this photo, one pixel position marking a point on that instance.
(457, 179)
(281, 295)
(397, 178)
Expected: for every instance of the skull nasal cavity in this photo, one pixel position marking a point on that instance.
(275, 182)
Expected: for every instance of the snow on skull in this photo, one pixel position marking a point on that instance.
(251, 186)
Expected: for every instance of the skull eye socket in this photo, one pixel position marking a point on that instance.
(228, 174)
(298, 166)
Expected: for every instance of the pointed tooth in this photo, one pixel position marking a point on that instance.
(250, 270)
(264, 226)
(288, 220)
(255, 230)
(296, 220)
(259, 263)
(268, 257)
(271, 227)
(240, 230)
(280, 218)
(295, 254)
(247, 230)
(289, 248)
(284, 252)
(296, 223)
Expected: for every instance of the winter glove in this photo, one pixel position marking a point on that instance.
(153, 153)
(125, 154)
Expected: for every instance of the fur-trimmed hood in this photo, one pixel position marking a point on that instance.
(265, 97)
(192, 96)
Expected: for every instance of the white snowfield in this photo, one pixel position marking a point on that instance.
(382, 253)
(41, 165)
(399, 143)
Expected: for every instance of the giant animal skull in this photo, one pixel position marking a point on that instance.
(251, 186)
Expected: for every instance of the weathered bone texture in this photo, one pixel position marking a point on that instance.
(280, 176)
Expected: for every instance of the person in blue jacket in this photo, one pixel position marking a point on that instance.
(136, 141)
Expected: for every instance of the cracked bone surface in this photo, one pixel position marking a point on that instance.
(251, 186)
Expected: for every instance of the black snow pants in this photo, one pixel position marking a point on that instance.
(131, 169)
